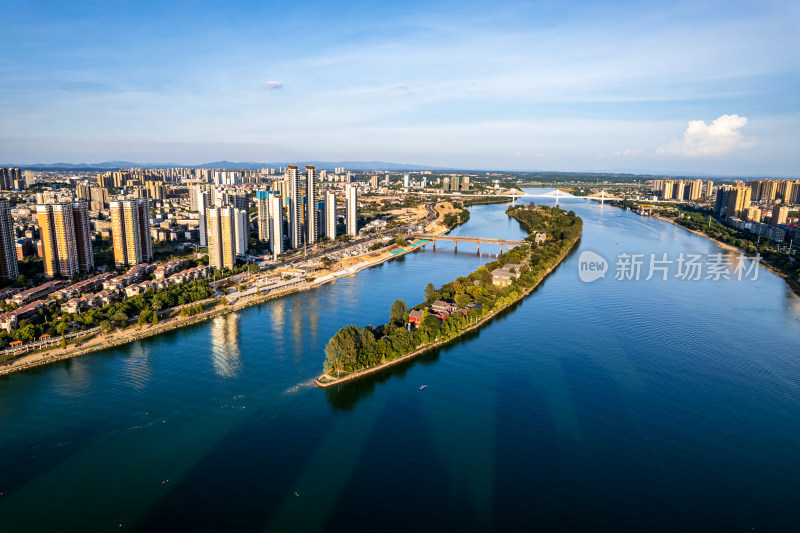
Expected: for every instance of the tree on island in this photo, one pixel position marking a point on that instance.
(397, 315)
(342, 350)
(430, 292)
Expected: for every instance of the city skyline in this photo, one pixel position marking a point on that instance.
(517, 86)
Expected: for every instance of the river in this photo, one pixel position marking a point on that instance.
(617, 405)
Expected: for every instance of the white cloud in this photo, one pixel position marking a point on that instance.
(628, 153)
(273, 85)
(700, 139)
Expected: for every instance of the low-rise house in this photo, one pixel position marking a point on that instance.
(9, 292)
(37, 292)
(443, 308)
(415, 317)
(11, 319)
(115, 284)
(135, 290)
(198, 272)
(134, 275)
(74, 306)
(89, 285)
(539, 238)
(169, 268)
(107, 297)
(503, 277)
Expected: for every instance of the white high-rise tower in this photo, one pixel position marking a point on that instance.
(276, 225)
(351, 206)
(295, 233)
(311, 212)
(330, 215)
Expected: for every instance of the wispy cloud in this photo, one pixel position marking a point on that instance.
(273, 85)
(720, 137)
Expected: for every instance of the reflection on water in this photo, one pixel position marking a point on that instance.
(313, 312)
(225, 353)
(74, 379)
(277, 317)
(137, 368)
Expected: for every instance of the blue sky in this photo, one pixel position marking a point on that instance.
(677, 87)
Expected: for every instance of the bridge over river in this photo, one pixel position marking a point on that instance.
(463, 238)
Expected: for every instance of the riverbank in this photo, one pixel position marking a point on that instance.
(325, 380)
(118, 338)
(793, 284)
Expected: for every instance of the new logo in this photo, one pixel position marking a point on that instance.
(591, 266)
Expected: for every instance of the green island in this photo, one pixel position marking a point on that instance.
(459, 306)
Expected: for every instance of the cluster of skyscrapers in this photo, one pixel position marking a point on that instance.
(66, 237)
(683, 189)
(293, 213)
(775, 191)
(290, 213)
(14, 178)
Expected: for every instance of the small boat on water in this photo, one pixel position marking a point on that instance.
(421, 387)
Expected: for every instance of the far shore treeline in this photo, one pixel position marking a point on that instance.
(476, 296)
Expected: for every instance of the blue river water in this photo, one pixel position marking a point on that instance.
(616, 405)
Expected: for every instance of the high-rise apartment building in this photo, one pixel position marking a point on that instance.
(98, 198)
(709, 188)
(11, 178)
(695, 189)
(295, 206)
(721, 202)
(226, 236)
(679, 190)
(779, 215)
(262, 216)
(666, 189)
(738, 201)
(351, 208)
(330, 215)
(83, 192)
(311, 205)
(785, 191)
(9, 268)
(66, 238)
(276, 225)
(202, 203)
(130, 230)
